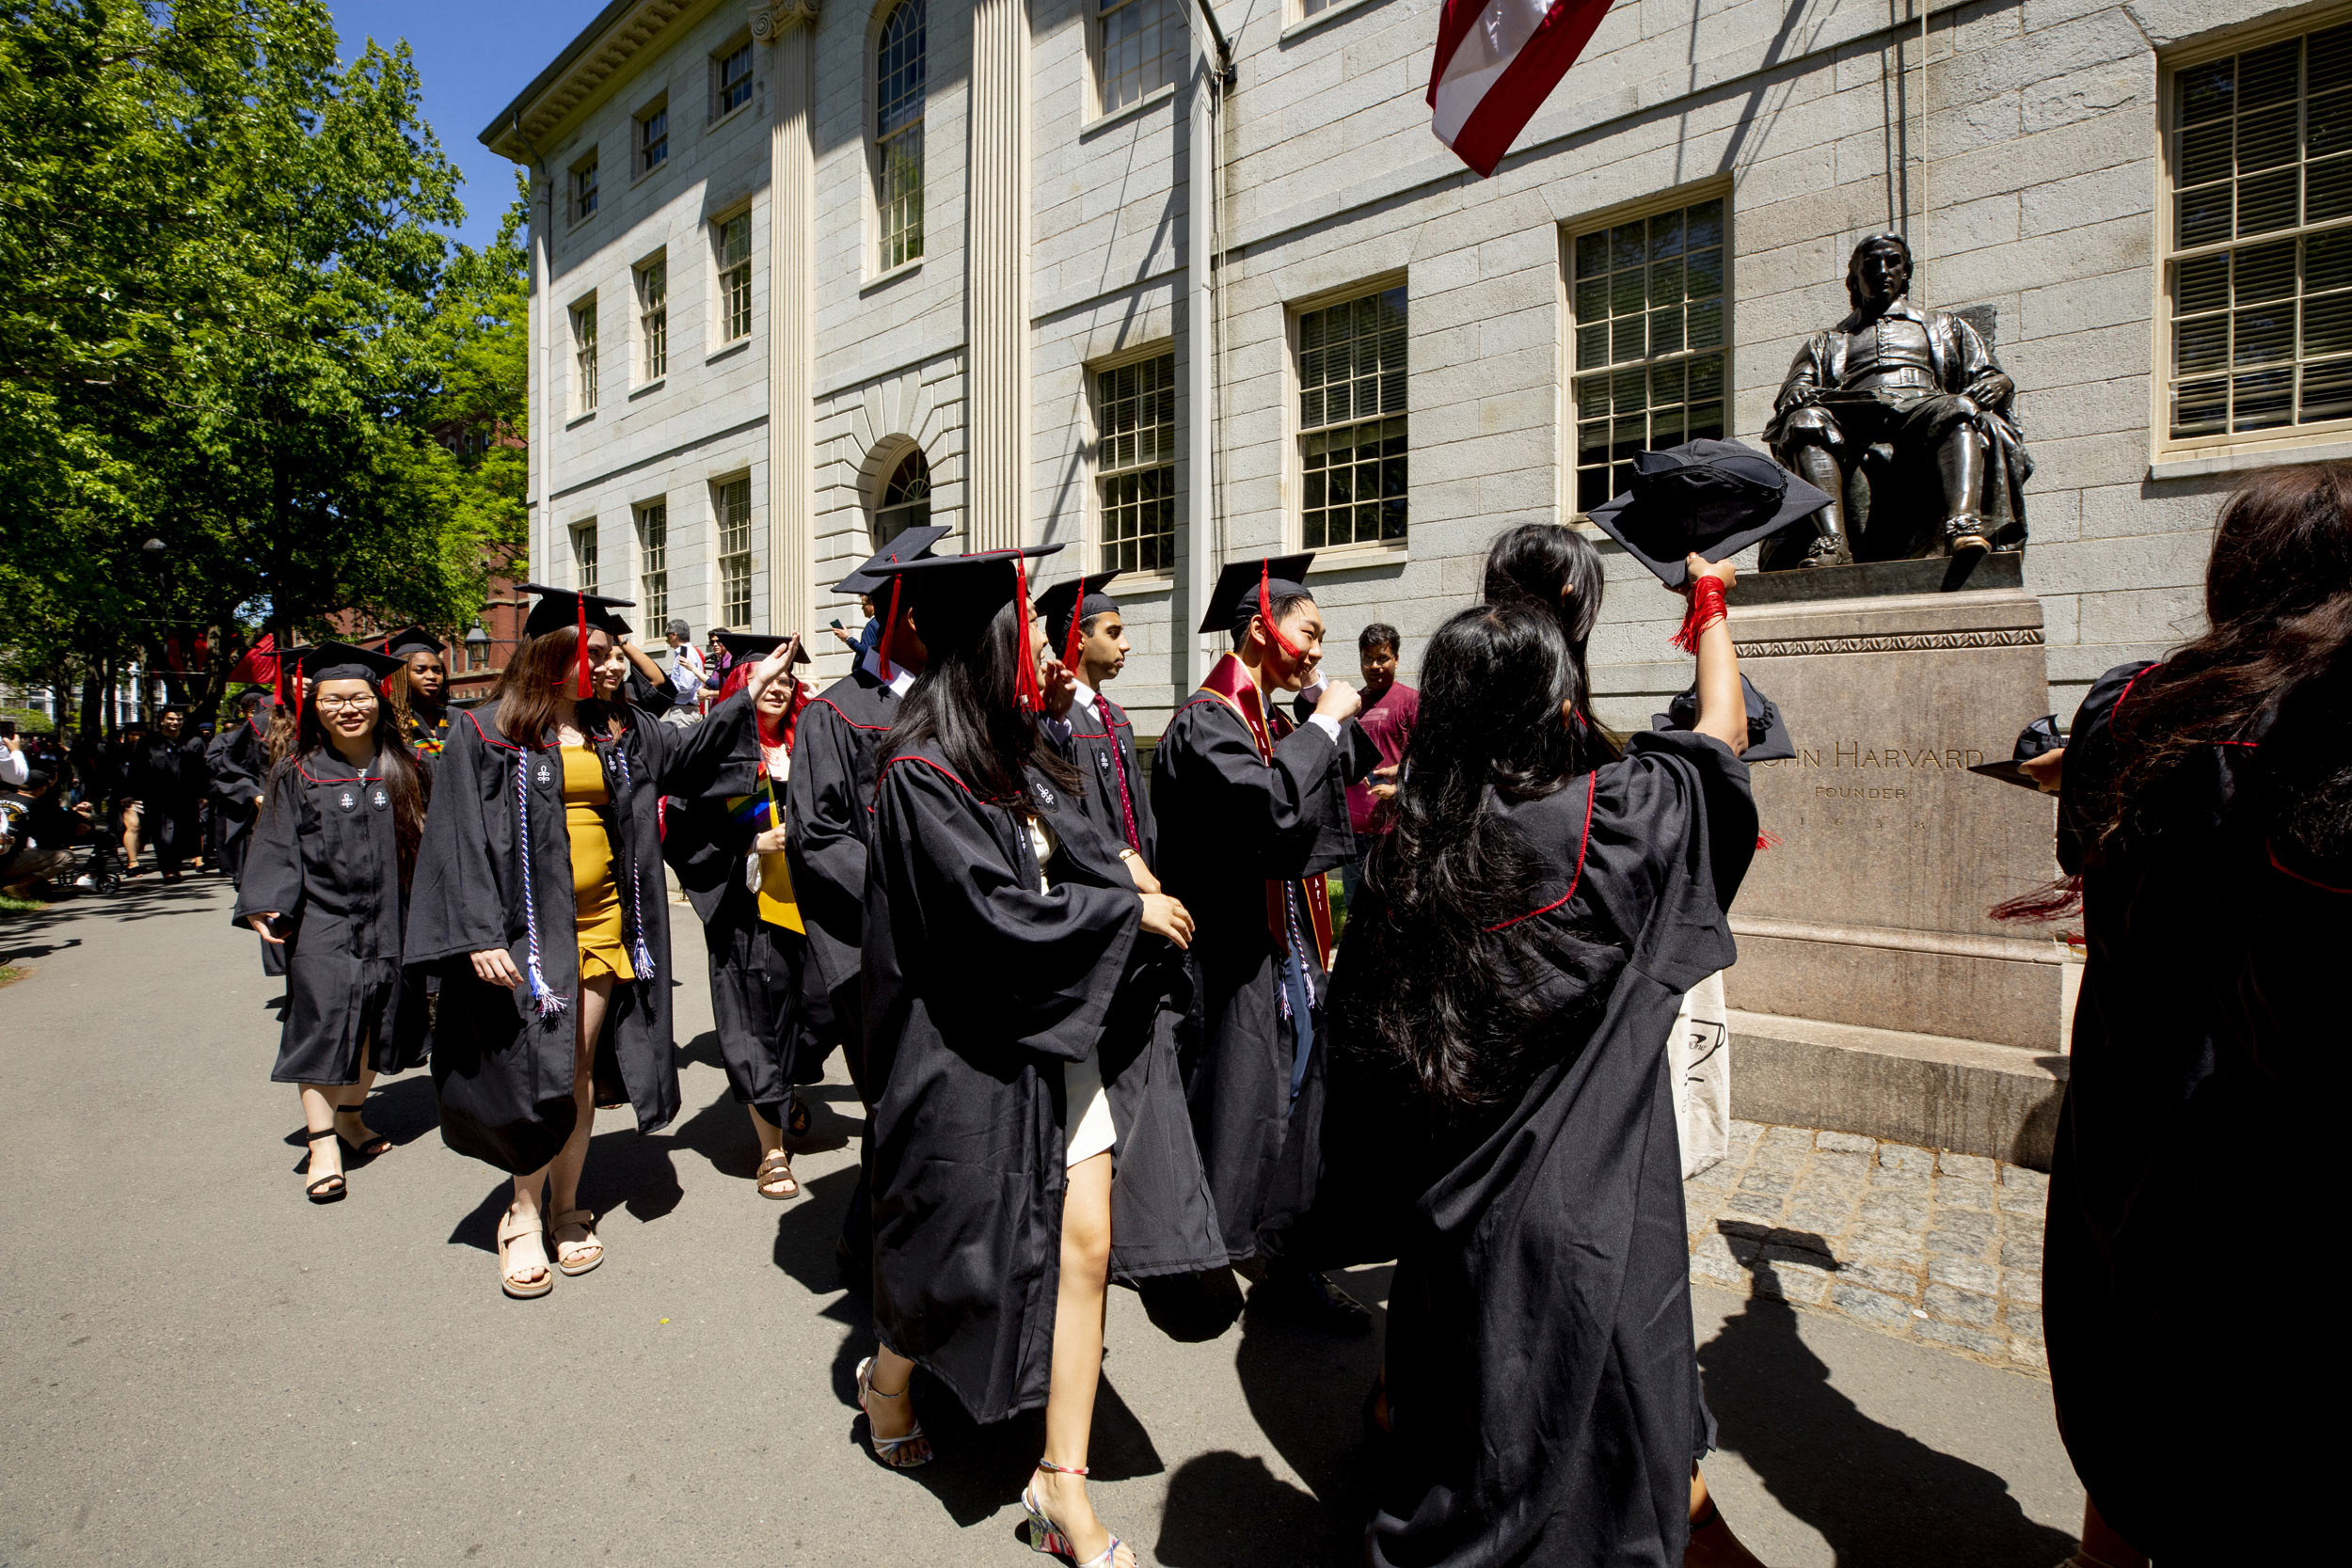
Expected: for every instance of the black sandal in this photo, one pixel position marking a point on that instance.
(376, 1144)
(331, 1187)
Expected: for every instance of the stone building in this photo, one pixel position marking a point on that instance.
(804, 272)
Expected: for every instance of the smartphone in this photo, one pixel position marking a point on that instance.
(836, 624)
(8, 726)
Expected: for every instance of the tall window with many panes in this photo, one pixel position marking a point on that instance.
(900, 63)
(584, 356)
(732, 500)
(584, 557)
(1352, 446)
(1651, 348)
(730, 79)
(1141, 47)
(1134, 463)
(734, 244)
(2257, 243)
(653, 561)
(653, 320)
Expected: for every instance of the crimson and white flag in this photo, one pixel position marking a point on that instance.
(1497, 61)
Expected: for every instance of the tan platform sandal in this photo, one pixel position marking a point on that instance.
(514, 1229)
(583, 1219)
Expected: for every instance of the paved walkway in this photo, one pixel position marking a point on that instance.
(198, 1368)
(1944, 1248)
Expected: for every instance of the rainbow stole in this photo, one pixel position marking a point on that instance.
(777, 904)
(1229, 681)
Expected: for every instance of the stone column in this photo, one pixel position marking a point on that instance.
(789, 31)
(996, 278)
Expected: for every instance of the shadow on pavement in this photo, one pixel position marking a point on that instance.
(1876, 1494)
(1223, 1508)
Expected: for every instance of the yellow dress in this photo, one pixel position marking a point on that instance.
(603, 949)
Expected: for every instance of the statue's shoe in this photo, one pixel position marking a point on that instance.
(1964, 533)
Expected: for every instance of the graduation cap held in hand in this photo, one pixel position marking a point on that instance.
(2039, 738)
(744, 645)
(1768, 737)
(1712, 498)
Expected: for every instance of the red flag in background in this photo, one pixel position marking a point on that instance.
(259, 667)
(1497, 61)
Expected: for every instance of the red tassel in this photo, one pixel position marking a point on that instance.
(1266, 611)
(1707, 607)
(1025, 690)
(579, 606)
(1077, 618)
(1768, 840)
(890, 626)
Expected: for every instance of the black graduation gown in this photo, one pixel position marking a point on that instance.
(325, 858)
(2207, 1064)
(167, 779)
(1544, 1399)
(1101, 746)
(1228, 821)
(501, 1067)
(828, 820)
(235, 762)
(755, 968)
(979, 989)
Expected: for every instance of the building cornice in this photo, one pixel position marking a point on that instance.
(578, 76)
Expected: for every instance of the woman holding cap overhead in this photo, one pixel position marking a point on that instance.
(1030, 1136)
(726, 846)
(1251, 813)
(326, 884)
(538, 899)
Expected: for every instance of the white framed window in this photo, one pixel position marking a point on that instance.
(1141, 47)
(582, 188)
(1352, 422)
(653, 136)
(2255, 237)
(899, 65)
(584, 556)
(731, 506)
(653, 561)
(731, 78)
(653, 319)
(904, 500)
(731, 243)
(1650, 356)
(584, 356)
(1134, 465)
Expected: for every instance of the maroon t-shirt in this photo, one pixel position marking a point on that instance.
(1388, 719)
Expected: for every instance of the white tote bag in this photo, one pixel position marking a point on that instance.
(1698, 1063)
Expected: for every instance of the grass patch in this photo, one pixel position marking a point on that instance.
(10, 975)
(12, 904)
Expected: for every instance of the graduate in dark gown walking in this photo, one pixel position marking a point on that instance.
(538, 903)
(1500, 1118)
(418, 689)
(165, 785)
(2205, 804)
(1251, 813)
(1085, 629)
(235, 770)
(726, 846)
(1029, 1137)
(326, 881)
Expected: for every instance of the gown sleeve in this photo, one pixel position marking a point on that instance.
(230, 788)
(2091, 764)
(825, 830)
(1049, 959)
(273, 865)
(1268, 818)
(1672, 832)
(687, 761)
(455, 903)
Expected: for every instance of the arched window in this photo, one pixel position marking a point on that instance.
(906, 496)
(899, 70)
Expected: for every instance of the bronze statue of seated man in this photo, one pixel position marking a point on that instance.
(1902, 416)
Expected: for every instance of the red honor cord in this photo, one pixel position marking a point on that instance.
(1707, 607)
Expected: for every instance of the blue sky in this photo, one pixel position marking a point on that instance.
(473, 57)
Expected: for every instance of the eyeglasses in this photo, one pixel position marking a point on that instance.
(343, 704)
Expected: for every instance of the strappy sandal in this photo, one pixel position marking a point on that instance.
(900, 1454)
(514, 1229)
(777, 1170)
(371, 1144)
(330, 1188)
(586, 1221)
(1045, 1536)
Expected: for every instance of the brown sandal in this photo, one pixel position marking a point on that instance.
(776, 1171)
(514, 1229)
(586, 1221)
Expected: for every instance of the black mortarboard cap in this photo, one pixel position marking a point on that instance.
(1237, 586)
(2036, 739)
(1712, 497)
(559, 608)
(954, 597)
(409, 640)
(1056, 605)
(913, 544)
(1767, 736)
(745, 644)
(343, 662)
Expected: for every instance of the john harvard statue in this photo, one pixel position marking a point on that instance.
(1902, 416)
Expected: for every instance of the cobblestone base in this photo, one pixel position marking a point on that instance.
(1928, 1245)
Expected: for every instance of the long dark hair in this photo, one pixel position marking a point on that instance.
(963, 704)
(1443, 980)
(526, 688)
(402, 780)
(402, 694)
(1558, 569)
(2279, 614)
